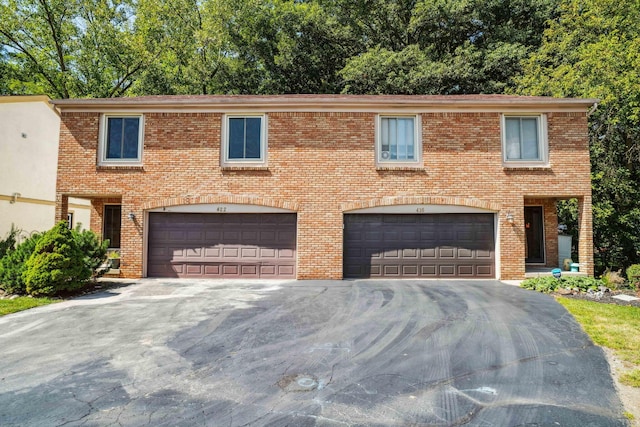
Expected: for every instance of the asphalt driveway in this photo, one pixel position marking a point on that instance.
(317, 353)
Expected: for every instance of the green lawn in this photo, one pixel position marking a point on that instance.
(8, 306)
(614, 326)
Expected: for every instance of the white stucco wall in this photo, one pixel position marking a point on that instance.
(29, 135)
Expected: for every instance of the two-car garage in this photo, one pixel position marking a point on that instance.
(219, 245)
(264, 245)
(419, 245)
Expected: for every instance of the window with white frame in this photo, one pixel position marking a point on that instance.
(398, 140)
(524, 139)
(121, 140)
(244, 139)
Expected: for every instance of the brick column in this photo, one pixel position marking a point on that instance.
(62, 207)
(585, 235)
(512, 241)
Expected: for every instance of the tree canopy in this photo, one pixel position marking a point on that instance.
(99, 48)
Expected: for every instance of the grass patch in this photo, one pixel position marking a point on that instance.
(8, 306)
(614, 326)
(631, 378)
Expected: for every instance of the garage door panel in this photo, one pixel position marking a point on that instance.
(484, 271)
(221, 245)
(212, 270)
(286, 254)
(447, 253)
(484, 254)
(212, 252)
(446, 270)
(193, 252)
(428, 270)
(429, 253)
(431, 245)
(465, 253)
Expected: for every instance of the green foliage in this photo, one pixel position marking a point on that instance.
(633, 275)
(548, 284)
(631, 378)
(12, 265)
(612, 279)
(9, 242)
(593, 50)
(94, 251)
(57, 264)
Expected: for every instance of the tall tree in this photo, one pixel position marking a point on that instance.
(593, 50)
(69, 48)
(440, 46)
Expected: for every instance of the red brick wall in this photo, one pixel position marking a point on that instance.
(319, 163)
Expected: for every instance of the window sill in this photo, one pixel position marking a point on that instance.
(137, 167)
(415, 168)
(532, 167)
(244, 168)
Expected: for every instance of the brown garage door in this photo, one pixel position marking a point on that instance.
(222, 245)
(430, 245)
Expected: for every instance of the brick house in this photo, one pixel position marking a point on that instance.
(328, 186)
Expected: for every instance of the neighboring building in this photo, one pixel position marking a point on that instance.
(328, 186)
(29, 133)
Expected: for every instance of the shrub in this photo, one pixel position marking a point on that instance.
(57, 264)
(548, 284)
(613, 279)
(9, 243)
(633, 274)
(95, 253)
(12, 265)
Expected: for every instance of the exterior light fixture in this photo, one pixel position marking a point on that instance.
(132, 216)
(509, 218)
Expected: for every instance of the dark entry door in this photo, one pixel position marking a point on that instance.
(534, 230)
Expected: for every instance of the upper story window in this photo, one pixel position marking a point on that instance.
(398, 141)
(524, 140)
(244, 140)
(121, 139)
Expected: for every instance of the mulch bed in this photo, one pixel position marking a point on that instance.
(605, 297)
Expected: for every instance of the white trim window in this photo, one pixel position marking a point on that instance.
(524, 140)
(398, 140)
(244, 140)
(121, 139)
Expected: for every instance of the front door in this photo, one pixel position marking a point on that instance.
(534, 230)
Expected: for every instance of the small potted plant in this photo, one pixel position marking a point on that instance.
(114, 260)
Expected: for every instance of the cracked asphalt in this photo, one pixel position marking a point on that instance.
(303, 353)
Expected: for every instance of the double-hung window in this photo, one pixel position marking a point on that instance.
(244, 140)
(398, 141)
(524, 140)
(121, 139)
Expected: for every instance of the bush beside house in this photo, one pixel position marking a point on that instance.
(50, 263)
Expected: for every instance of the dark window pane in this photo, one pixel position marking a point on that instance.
(114, 138)
(236, 138)
(122, 137)
(252, 138)
(131, 132)
(112, 225)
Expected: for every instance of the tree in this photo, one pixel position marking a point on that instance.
(440, 46)
(69, 48)
(593, 50)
